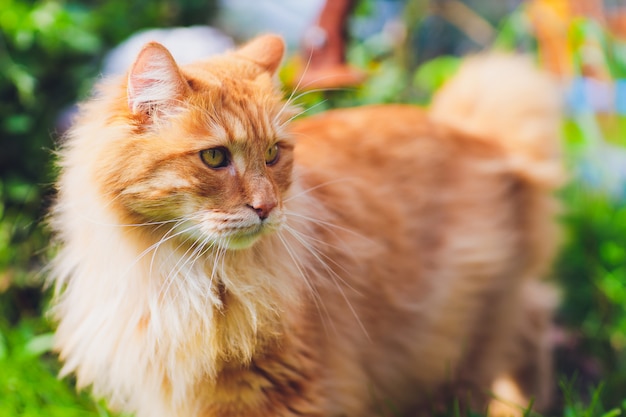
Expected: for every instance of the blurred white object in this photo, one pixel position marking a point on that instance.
(244, 19)
(187, 44)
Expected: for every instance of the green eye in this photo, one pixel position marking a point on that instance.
(215, 157)
(271, 154)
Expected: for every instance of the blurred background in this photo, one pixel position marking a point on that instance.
(52, 52)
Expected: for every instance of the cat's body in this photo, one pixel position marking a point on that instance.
(387, 262)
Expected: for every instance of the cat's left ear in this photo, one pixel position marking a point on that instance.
(155, 82)
(266, 51)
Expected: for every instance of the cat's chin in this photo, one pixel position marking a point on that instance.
(246, 236)
(239, 242)
(243, 239)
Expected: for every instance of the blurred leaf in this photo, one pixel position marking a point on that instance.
(18, 123)
(516, 32)
(39, 344)
(24, 82)
(432, 75)
(3, 347)
(20, 191)
(574, 135)
(384, 85)
(613, 253)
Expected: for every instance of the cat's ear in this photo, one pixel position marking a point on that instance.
(155, 82)
(266, 51)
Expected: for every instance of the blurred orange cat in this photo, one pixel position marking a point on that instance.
(217, 258)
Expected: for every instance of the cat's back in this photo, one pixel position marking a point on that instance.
(365, 133)
(424, 217)
(396, 150)
(366, 142)
(378, 120)
(392, 175)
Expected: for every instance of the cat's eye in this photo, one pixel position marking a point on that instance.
(215, 157)
(272, 154)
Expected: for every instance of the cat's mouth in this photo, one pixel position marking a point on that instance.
(243, 237)
(233, 231)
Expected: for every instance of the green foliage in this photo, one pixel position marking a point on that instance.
(592, 271)
(28, 380)
(28, 383)
(42, 57)
(433, 74)
(575, 407)
(516, 33)
(586, 34)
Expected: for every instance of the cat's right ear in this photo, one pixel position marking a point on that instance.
(267, 51)
(155, 83)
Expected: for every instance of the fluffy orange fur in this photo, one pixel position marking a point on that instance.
(217, 258)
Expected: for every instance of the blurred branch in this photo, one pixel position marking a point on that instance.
(465, 19)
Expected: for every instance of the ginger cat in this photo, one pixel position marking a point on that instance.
(217, 258)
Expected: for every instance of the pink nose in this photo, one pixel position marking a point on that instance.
(263, 209)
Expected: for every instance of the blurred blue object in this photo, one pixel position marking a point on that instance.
(620, 97)
(588, 95)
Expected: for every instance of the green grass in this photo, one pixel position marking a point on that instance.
(29, 386)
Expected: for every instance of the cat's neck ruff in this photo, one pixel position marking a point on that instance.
(174, 301)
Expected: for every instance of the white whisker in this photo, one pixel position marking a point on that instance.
(308, 190)
(315, 296)
(176, 269)
(302, 112)
(328, 225)
(332, 274)
(319, 254)
(293, 97)
(183, 261)
(322, 90)
(290, 98)
(145, 224)
(219, 256)
(154, 247)
(168, 237)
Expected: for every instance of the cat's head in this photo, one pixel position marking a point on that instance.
(205, 147)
